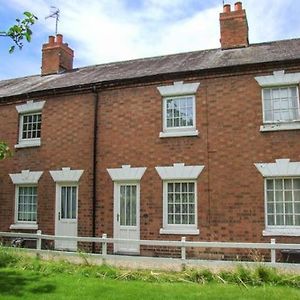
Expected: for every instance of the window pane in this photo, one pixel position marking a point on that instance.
(270, 208)
(279, 196)
(270, 184)
(279, 220)
(288, 196)
(297, 207)
(74, 196)
(278, 184)
(297, 220)
(288, 184)
(271, 220)
(289, 220)
(297, 195)
(270, 196)
(128, 205)
(289, 207)
(122, 205)
(297, 184)
(279, 208)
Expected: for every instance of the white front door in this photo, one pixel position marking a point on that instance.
(126, 216)
(66, 215)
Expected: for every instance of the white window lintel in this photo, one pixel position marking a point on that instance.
(30, 106)
(26, 177)
(179, 171)
(278, 78)
(178, 88)
(126, 173)
(281, 168)
(66, 175)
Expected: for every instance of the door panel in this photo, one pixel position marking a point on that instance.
(126, 216)
(66, 215)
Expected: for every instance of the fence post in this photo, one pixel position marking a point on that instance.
(39, 240)
(183, 249)
(273, 252)
(104, 245)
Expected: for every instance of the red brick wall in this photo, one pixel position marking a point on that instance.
(67, 141)
(230, 189)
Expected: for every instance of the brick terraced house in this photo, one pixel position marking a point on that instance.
(204, 144)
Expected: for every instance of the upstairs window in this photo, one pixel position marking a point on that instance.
(179, 112)
(179, 109)
(280, 101)
(30, 124)
(281, 104)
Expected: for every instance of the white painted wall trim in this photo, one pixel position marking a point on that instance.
(179, 133)
(126, 173)
(179, 171)
(30, 106)
(282, 231)
(278, 78)
(179, 231)
(280, 126)
(178, 88)
(281, 168)
(26, 177)
(25, 226)
(66, 175)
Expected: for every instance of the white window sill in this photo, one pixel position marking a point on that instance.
(167, 134)
(281, 232)
(24, 226)
(179, 231)
(280, 126)
(28, 144)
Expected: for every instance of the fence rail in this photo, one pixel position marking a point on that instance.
(183, 244)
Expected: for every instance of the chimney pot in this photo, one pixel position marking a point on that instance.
(59, 39)
(56, 56)
(238, 6)
(51, 39)
(234, 27)
(226, 8)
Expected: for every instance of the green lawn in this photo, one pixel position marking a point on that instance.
(24, 284)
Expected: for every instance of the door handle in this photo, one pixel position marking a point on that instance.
(59, 216)
(118, 217)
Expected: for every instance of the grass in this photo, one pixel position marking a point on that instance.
(23, 277)
(24, 284)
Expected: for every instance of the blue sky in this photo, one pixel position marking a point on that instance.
(102, 31)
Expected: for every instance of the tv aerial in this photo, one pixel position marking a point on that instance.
(54, 13)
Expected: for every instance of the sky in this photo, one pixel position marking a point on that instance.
(101, 31)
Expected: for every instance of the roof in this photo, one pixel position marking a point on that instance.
(277, 51)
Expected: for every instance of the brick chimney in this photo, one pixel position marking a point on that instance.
(57, 56)
(234, 27)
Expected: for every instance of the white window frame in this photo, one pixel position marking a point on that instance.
(179, 173)
(288, 230)
(25, 179)
(20, 223)
(279, 79)
(29, 108)
(281, 169)
(184, 130)
(178, 228)
(178, 90)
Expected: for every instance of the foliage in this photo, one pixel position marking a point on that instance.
(4, 150)
(20, 31)
(242, 276)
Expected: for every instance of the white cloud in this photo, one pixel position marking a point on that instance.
(109, 30)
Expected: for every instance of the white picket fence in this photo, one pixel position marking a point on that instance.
(183, 244)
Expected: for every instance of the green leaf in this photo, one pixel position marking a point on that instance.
(11, 49)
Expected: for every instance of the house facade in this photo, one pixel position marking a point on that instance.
(202, 144)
